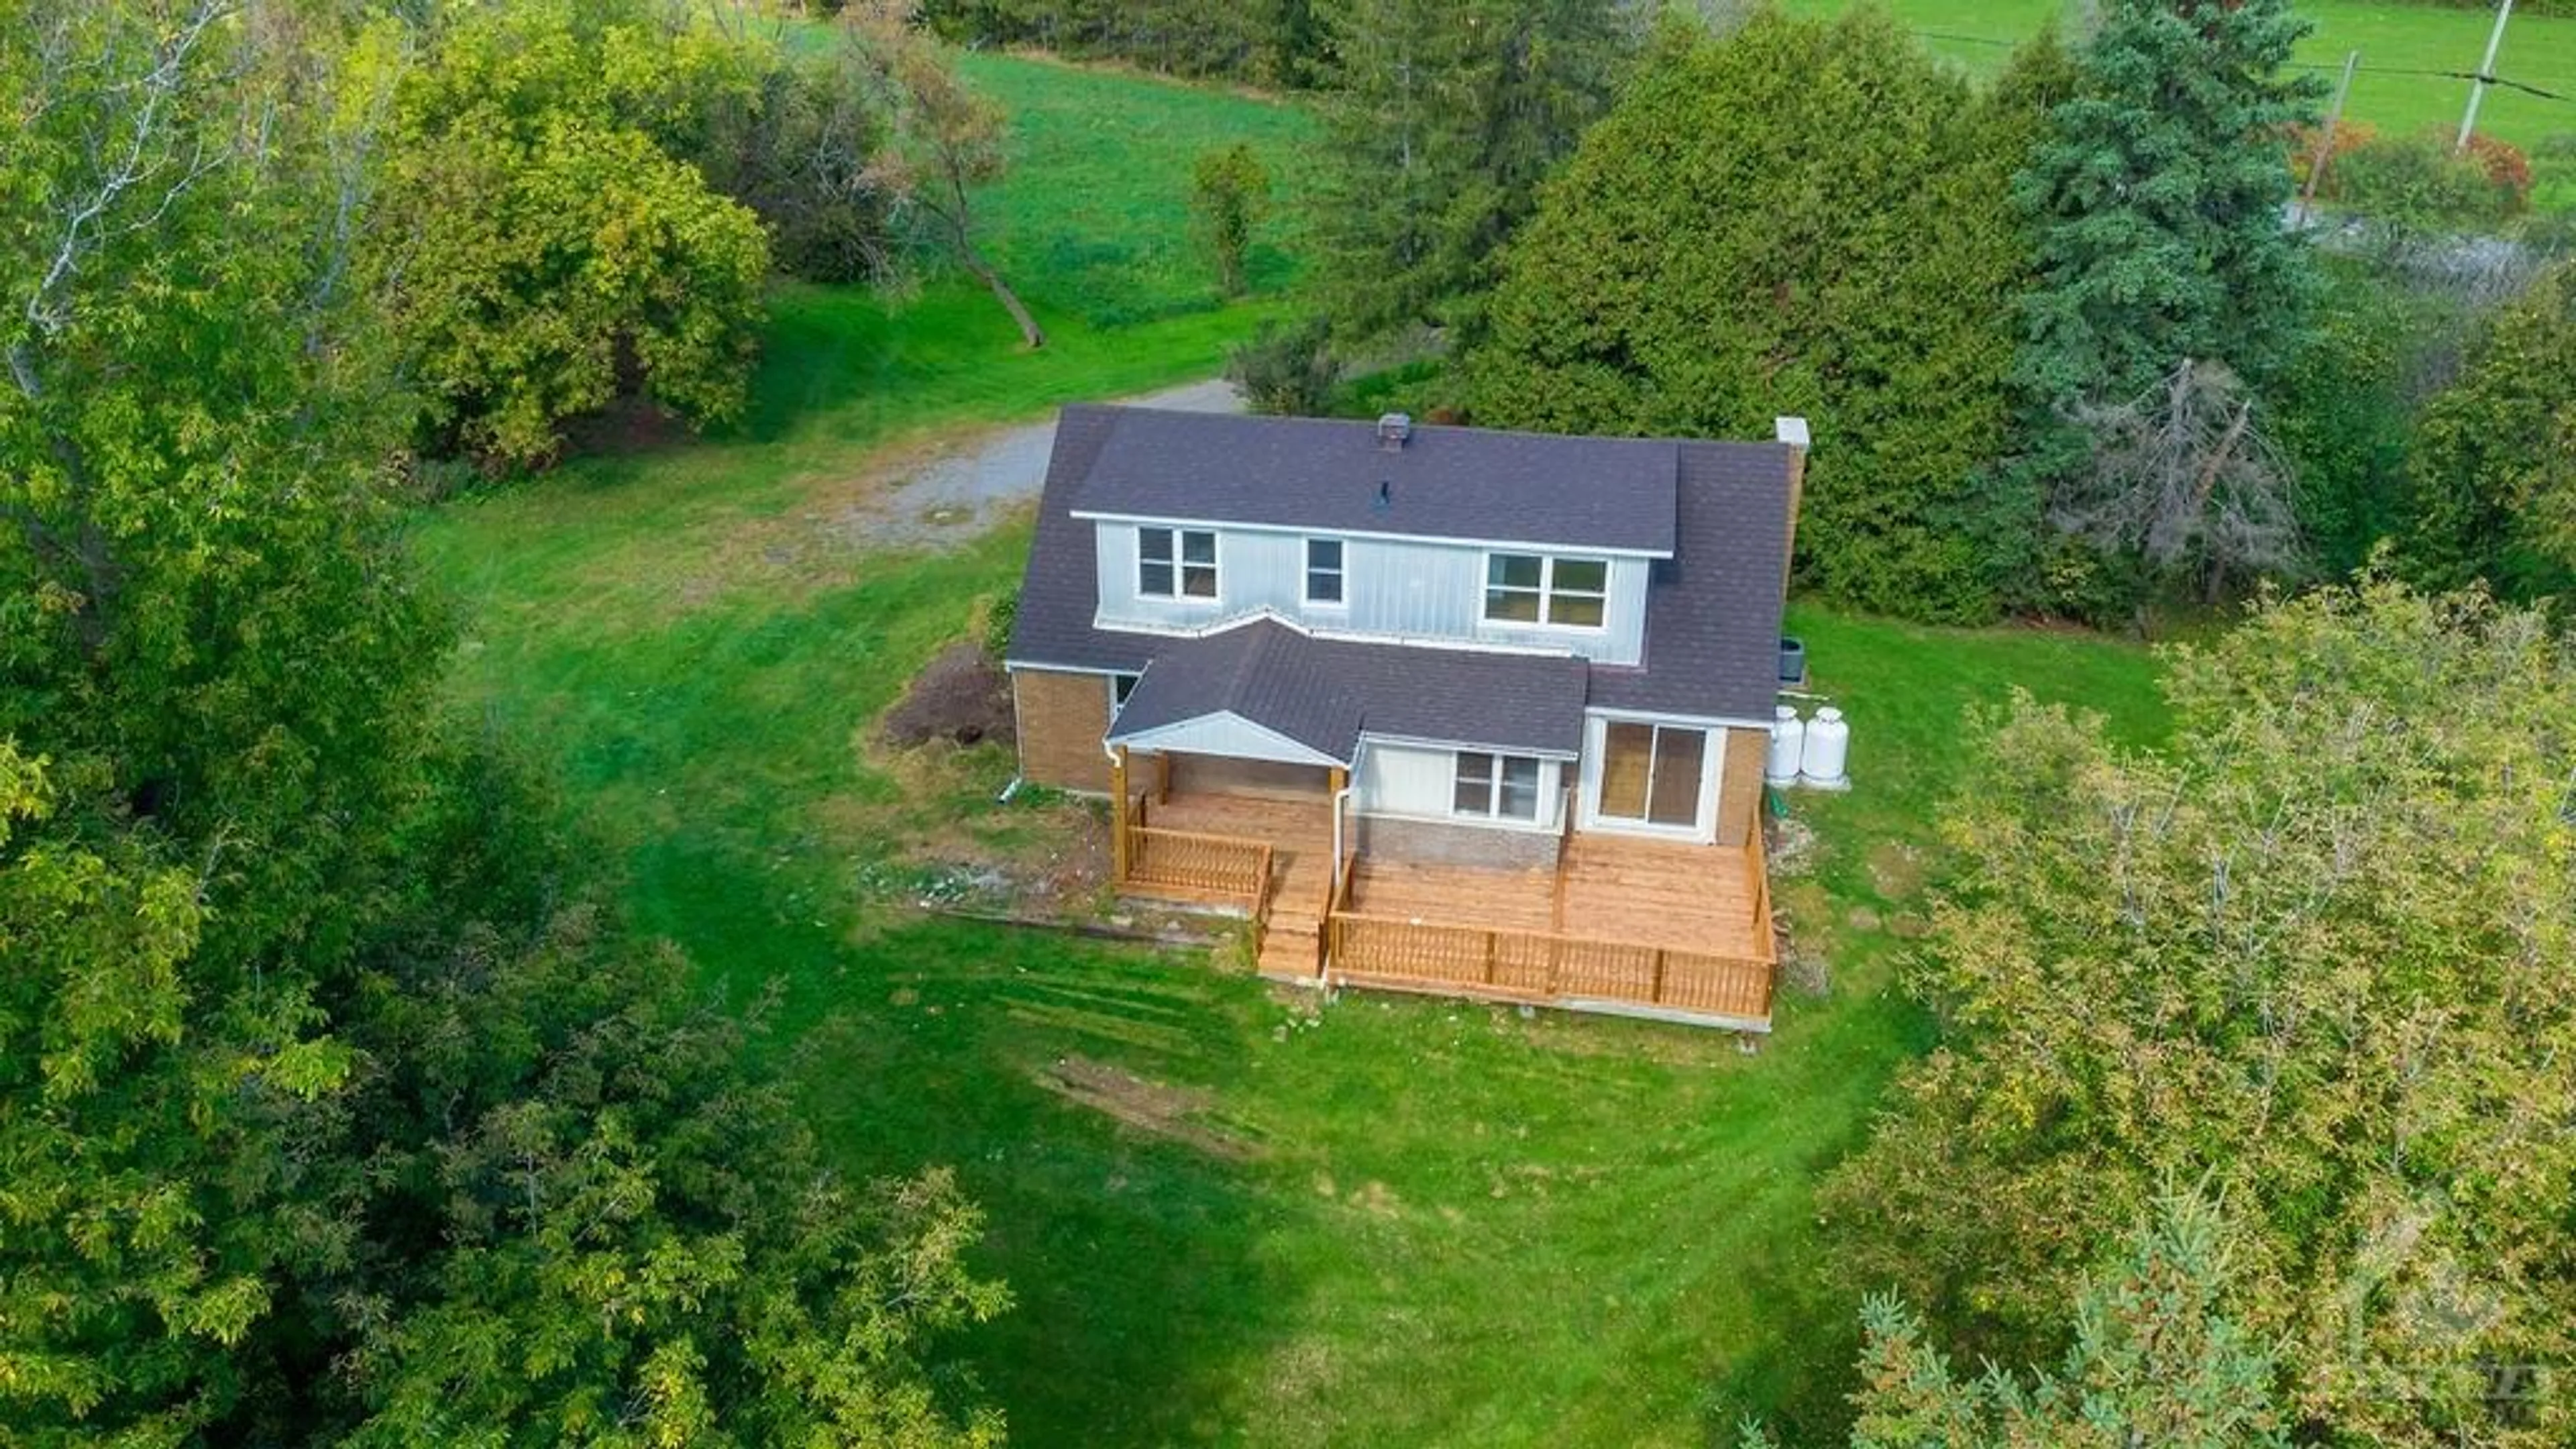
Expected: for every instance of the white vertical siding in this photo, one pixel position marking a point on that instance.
(1418, 781)
(1417, 591)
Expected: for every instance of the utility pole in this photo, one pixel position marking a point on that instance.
(2318, 163)
(2486, 73)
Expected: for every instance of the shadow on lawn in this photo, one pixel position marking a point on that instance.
(1130, 1255)
(1138, 1301)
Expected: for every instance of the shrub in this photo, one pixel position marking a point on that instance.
(2419, 184)
(2349, 137)
(1230, 192)
(1287, 371)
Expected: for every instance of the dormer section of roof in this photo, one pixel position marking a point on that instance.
(1394, 478)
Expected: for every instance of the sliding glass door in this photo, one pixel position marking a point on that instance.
(1650, 774)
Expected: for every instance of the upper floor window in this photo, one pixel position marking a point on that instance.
(1323, 571)
(1528, 588)
(1500, 787)
(1176, 563)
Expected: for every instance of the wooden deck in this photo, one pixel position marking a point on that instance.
(1290, 904)
(1606, 887)
(1623, 924)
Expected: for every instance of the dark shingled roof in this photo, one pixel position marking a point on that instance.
(1712, 610)
(1323, 693)
(1326, 474)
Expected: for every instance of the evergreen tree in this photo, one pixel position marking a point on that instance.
(2155, 1360)
(2156, 203)
(1445, 116)
(1802, 218)
(2493, 493)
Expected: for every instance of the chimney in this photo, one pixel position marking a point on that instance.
(1793, 431)
(1393, 431)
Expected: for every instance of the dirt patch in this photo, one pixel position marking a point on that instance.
(961, 696)
(1157, 1109)
(1789, 845)
(624, 428)
(1896, 869)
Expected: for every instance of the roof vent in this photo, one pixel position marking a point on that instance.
(1385, 498)
(1393, 429)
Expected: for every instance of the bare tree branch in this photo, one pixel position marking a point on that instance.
(140, 161)
(2183, 477)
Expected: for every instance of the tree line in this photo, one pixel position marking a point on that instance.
(337, 1105)
(2062, 345)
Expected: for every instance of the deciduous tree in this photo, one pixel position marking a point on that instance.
(546, 253)
(947, 139)
(331, 1105)
(1229, 193)
(2312, 952)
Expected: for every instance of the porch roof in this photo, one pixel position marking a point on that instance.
(1324, 693)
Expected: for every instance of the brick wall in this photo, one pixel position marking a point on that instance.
(1439, 843)
(1061, 719)
(1739, 789)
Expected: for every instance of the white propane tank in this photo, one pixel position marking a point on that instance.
(1788, 743)
(1828, 746)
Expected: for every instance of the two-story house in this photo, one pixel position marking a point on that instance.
(1443, 708)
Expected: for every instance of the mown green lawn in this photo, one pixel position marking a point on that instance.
(1387, 1221)
(2392, 39)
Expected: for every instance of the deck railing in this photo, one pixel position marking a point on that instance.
(1543, 965)
(1225, 869)
(1397, 951)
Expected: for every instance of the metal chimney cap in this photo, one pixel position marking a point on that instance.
(1792, 431)
(1393, 429)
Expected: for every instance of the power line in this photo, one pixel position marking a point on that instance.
(2408, 72)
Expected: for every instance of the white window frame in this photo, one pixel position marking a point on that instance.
(1341, 572)
(1497, 767)
(1547, 592)
(1178, 563)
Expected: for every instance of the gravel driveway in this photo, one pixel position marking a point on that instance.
(961, 490)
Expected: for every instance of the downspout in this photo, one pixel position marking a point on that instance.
(1341, 812)
(1117, 814)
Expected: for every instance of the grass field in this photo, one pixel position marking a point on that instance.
(1388, 1221)
(2393, 39)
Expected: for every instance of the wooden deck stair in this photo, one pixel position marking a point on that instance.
(1293, 941)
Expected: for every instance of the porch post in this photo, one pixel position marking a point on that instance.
(1163, 778)
(1118, 861)
(1339, 780)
